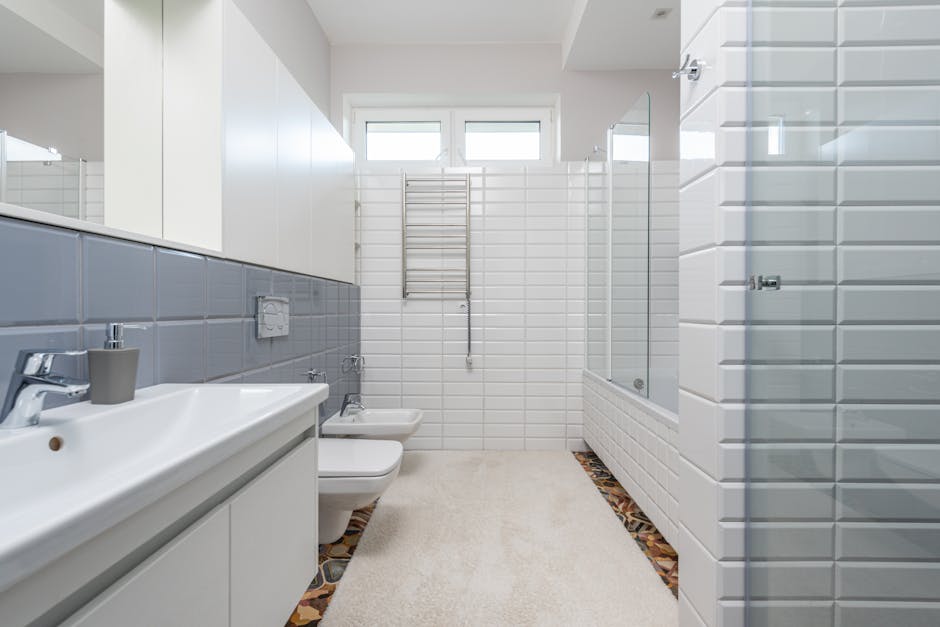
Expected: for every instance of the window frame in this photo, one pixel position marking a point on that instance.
(361, 116)
(453, 132)
(543, 115)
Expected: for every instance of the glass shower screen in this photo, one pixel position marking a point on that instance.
(628, 157)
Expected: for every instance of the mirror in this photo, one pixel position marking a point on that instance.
(52, 106)
(81, 110)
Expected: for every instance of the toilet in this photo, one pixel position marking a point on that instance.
(352, 473)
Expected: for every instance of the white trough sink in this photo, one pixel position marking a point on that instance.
(114, 460)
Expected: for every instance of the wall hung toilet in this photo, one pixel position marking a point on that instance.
(352, 473)
(377, 424)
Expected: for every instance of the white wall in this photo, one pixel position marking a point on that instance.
(527, 280)
(291, 29)
(589, 101)
(61, 110)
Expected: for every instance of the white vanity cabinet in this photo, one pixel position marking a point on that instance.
(184, 583)
(246, 563)
(274, 540)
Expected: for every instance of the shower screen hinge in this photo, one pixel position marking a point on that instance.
(761, 282)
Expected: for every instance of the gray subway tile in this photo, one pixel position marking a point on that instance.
(258, 282)
(302, 296)
(258, 353)
(791, 462)
(301, 336)
(181, 285)
(118, 280)
(93, 336)
(39, 269)
(258, 376)
(282, 284)
(181, 353)
(225, 347)
(318, 297)
(226, 289)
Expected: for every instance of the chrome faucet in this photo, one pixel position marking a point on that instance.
(32, 379)
(351, 400)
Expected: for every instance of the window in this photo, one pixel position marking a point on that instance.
(403, 141)
(502, 141)
(453, 137)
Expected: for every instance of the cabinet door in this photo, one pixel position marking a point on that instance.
(184, 583)
(274, 540)
(294, 214)
(249, 105)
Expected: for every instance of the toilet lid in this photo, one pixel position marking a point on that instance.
(348, 457)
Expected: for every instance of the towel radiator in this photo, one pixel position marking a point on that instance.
(435, 239)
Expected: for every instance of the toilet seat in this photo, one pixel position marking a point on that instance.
(347, 457)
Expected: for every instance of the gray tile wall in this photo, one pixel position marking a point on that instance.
(196, 313)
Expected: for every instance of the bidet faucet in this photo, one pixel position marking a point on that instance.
(351, 400)
(32, 379)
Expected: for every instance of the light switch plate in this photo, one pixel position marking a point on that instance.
(273, 316)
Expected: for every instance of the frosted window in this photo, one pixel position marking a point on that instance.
(499, 141)
(403, 141)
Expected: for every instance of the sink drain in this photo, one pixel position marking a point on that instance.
(55, 443)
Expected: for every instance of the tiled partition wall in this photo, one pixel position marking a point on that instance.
(197, 313)
(524, 390)
(843, 360)
(638, 441)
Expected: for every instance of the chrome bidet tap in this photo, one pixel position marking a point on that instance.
(351, 400)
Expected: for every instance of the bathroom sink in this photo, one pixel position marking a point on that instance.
(378, 424)
(87, 467)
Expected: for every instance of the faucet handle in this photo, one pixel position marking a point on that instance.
(38, 361)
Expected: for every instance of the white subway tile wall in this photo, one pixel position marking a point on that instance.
(842, 362)
(527, 277)
(638, 441)
(57, 187)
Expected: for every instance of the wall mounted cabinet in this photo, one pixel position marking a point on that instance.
(253, 167)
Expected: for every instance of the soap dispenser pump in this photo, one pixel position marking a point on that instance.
(112, 370)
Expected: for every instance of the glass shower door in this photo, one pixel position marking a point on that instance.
(629, 191)
(842, 335)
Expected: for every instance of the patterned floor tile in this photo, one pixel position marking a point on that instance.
(662, 556)
(333, 561)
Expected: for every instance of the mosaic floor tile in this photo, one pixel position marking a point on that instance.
(332, 564)
(662, 556)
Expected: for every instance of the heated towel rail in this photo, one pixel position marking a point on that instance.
(435, 239)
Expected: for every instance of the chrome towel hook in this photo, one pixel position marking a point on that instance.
(692, 70)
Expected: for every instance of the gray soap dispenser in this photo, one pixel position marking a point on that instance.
(112, 370)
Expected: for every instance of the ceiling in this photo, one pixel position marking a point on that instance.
(622, 35)
(593, 34)
(89, 13)
(443, 21)
(25, 48)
